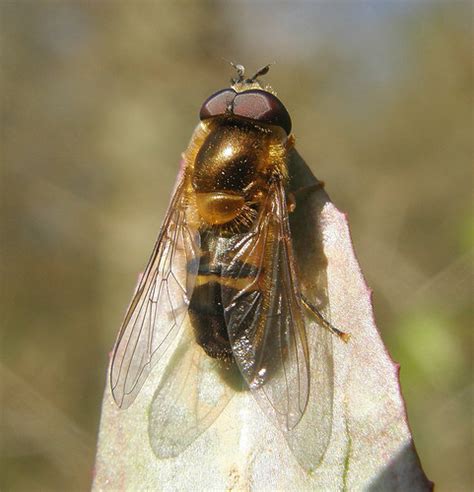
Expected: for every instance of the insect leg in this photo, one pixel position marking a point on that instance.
(323, 321)
(290, 202)
(311, 187)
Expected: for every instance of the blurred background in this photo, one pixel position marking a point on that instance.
(98, 101)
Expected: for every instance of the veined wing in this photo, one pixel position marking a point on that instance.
(264, 319)
(159, 305)
(192, 393)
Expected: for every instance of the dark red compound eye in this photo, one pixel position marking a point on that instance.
(262, 106)
(217, 104)
(255, 104)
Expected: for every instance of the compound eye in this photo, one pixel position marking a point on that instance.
(262, 106)
(217, 104)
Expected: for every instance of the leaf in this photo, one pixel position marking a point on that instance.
(370, 446)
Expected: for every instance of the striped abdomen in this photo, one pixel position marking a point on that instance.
(206, 309)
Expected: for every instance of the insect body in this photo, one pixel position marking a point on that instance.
(223, 263)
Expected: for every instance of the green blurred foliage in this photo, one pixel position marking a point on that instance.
(98, 101)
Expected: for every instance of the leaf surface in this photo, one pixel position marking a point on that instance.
(370, 444)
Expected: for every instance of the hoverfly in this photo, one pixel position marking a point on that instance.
(222, 282)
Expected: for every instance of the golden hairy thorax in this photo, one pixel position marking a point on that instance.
(229, 164)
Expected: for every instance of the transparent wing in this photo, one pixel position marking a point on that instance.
(160, 303)
(264, 319)
(193, 392)
(310, 438)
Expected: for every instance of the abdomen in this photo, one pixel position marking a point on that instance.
(205, 308)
